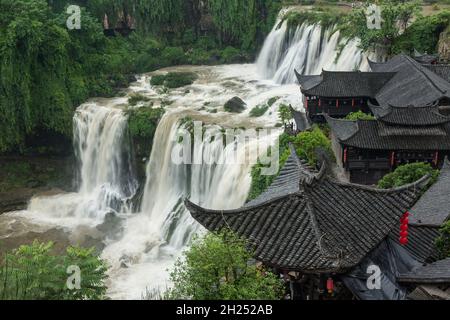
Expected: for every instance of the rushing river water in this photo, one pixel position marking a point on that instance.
(145, 243)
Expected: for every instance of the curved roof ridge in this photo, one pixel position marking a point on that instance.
(419, 184)
(422, 72)
(190, 205)
(328, 118)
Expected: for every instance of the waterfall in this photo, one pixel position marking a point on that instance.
(158, 234)
(152, 238)
(308, 49)
(106, 180)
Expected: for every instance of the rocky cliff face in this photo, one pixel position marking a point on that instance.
(444, 45)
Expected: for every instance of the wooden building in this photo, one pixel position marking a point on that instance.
(337, 93)
(313, 229)
(401, 81)
(369, 149)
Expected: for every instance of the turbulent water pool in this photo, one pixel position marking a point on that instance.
(140, 245)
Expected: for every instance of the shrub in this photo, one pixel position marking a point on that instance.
(135, 98)
(443, 241)
(272, 100)
(32, 272)
(143, 122)
(158, 80)
(408, 173)
(359, 115)
(284, 113)
(179, 79)
(174, 79)
(173, 56)
(231, 55)
(258, 111)
(217, 267)
(308, 142)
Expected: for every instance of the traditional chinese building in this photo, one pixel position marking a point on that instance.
(369, 149)
(312, 228)
(401, 81)
(427, 216)
(338, 93)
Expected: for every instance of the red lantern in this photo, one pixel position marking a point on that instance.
(345, 155)
(330, 285)
(404, 220)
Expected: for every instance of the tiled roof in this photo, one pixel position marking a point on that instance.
(429, 292)
(320, 226)
(425, 58)
(442, 70)
(344, 83)
(307, 81)
(433, 208)
(421, 244)
(372, 134)
(301, 120)
(437, 272)
(413, 84)
(410, 116)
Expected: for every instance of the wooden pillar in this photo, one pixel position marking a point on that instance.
(392, 159)
(345, 156)
(337, 103)
(436, 158)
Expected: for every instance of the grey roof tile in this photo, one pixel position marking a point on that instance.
(433, 208)
(320, 225)
(413, 84)
(436, 272)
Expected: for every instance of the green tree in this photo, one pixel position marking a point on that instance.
(284, 113)
(219, 267)
(33, 272)
(408, 173)
(307, 144)
(443, 241)
(359, 115)
(395, 14)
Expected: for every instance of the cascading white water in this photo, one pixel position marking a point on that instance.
(106, 180)
(152, 238)
(308, 49)
(156, 237)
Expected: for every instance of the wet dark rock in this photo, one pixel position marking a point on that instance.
(235, 105)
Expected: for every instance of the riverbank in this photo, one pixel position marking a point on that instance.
(23, 177)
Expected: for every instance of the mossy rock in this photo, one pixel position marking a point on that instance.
(235, 105)
(174, 80)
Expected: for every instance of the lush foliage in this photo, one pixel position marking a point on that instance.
(135, 98)
(443, 241)
(408, 173)
(143, 121)
(174, 79)
(48, 70)
(306, 144)
(142, 124)
(33, 272)
(403, 28)
(219, 267)
(258, 111)
(359, 115)
(284, 113)
(261, 182)
(239, 23)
